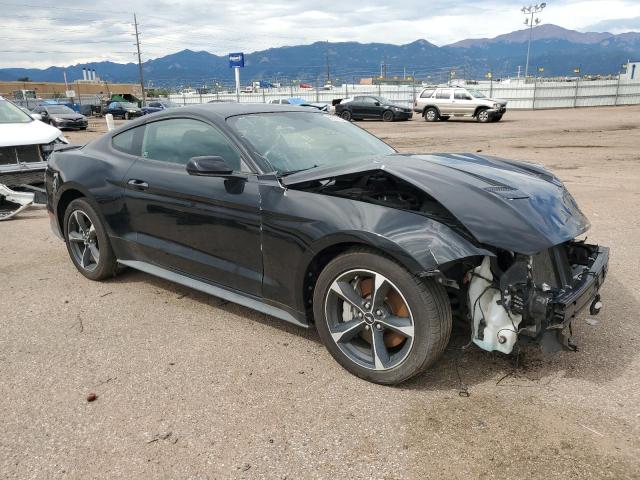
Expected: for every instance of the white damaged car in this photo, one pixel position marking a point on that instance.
(25, 145)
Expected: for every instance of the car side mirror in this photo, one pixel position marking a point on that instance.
(44, 113)
(377, 104)
(36, 116)
(208, 166)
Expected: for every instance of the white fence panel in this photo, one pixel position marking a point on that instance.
(520, 95)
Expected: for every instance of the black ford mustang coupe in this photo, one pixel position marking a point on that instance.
(306, 217)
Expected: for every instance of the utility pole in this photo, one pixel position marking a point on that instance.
(531, 11)
(135, 24)
(328, 69)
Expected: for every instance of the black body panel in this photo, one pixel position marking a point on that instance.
(258, 235)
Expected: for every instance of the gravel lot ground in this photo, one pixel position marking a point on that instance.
(191, 388)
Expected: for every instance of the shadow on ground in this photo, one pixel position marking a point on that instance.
(460, 369)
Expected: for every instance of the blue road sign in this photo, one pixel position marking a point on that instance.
(236, 60)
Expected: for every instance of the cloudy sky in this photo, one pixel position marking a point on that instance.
(45, 33)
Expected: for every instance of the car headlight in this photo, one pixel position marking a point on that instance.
(57, 119)
(397, 109)
(132, 111)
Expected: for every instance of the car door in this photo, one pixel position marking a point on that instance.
(443, 100)
(358, 107)
(371, 107)
(202, 226)
(462, 102)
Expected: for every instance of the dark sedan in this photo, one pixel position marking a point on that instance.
(368, 107)
(126, 110)
(306, 217)
(154, 107)
(62, 117)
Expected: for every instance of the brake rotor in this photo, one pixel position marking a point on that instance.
(396, 306)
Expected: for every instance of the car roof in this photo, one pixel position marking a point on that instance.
(226, 110)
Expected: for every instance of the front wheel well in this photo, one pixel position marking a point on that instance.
(479, 109)
(322, 259)
(66, 198)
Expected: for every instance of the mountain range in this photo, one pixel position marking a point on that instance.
(556, 49)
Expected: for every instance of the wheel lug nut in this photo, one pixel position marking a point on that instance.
(360, 315)
(379, 312)
(379, 326)
(366, 327)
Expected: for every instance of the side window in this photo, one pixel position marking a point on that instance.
(443, 94)
(112, 105)
(427, 93)
(368, 100)
(155, 104)
(179, 139)
(128, 141)
(460, 94)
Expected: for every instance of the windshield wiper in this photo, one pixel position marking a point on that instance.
(291, 172)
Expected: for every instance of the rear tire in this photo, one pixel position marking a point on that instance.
(346, 115)
(87, 241)
(426, 320)
(431, 114)
(387, 116)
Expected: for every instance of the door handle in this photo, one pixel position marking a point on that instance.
(138, 184)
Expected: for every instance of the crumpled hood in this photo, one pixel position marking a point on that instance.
(506, 204)
(32, 133)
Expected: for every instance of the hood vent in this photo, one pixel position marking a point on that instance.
(507, 192)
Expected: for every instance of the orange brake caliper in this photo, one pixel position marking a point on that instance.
(396, 306)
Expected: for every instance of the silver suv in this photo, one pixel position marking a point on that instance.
(441, 103)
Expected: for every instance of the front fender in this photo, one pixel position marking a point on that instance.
(298, 226)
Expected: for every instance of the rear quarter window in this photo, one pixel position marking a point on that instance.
(128, 141)
(427, 93)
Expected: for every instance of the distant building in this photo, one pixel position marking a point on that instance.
(53, 90)
(632, 71)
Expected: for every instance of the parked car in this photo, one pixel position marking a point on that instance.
(288, 101)
(301, 102)
(154, 107)
(126, 110)
(442, 103)
(306, 217)
(370, 107)
(62, 117)
(25, 146)
(33, 115)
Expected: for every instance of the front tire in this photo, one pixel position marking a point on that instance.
(126, 116)
(378, 321)
(387, 116)
(87, 241)
(483, 116)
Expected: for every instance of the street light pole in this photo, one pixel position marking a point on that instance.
(531, 21)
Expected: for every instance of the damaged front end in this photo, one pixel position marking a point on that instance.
(534, 297)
